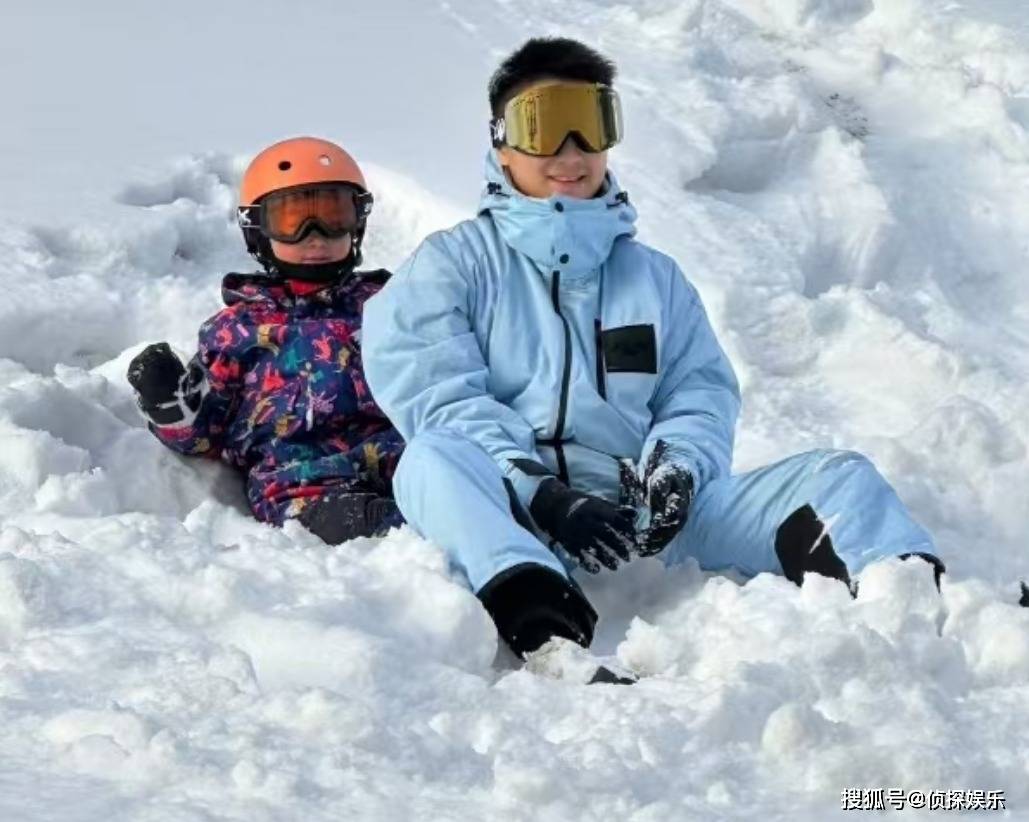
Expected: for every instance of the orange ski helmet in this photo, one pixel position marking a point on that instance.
(296, 162)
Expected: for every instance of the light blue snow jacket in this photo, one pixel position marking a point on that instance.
(493, 329)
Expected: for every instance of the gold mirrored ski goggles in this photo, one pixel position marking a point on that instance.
(539, 120)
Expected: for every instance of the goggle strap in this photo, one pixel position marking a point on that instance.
(249, 216)
(363, 202)
(497, 131)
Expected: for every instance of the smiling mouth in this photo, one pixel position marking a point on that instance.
(568, 180)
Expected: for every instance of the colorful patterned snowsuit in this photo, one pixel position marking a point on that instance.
(286, 401)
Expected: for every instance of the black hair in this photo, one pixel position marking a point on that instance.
(541, 57)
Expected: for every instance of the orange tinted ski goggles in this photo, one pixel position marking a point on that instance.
(539, 120)
(289, 215)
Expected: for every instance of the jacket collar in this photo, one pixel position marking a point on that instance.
(563, 234)
(261, 286)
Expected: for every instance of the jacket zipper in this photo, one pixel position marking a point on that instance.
(598, 329)
(562, 409)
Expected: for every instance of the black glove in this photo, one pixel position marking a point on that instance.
(167, 392)
(667, 492)
(589, 528)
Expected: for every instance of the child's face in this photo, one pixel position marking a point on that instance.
(313, 249)
(571, 172)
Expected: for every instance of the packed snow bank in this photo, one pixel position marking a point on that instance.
(843, 179)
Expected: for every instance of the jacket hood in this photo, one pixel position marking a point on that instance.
(559, 233)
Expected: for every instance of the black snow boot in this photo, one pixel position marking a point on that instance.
(544, 617)
(340, 517)
(803, 545)
(531, 603)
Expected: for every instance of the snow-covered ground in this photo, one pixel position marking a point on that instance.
(847, 182)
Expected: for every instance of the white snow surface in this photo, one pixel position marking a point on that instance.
(846, 181)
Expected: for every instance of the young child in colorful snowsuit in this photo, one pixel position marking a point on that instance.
(564, 398)
(277, 387)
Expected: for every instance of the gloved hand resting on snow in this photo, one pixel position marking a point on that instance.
(168, 393)
(589, 528)
(666, 490)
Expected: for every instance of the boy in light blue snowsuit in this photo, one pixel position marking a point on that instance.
(564, 399)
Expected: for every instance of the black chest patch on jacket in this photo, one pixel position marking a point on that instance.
(630, 348)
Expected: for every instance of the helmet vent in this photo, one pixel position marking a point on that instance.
(285, 165)
(325, 160)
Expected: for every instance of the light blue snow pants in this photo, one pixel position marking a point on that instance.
(453, 494)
